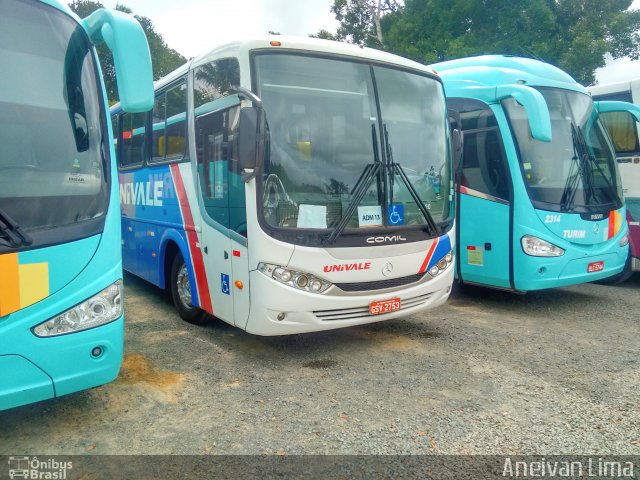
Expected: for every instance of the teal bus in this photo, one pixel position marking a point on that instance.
(61, 312)
(539, 198)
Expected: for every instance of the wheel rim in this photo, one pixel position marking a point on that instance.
(184, 287)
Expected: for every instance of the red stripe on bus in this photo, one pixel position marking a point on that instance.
(192, 236)
(432, 248)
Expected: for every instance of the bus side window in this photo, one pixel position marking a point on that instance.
(158, 120)
(131, 138)
(484, 165)
(170, 125)
(622, 130)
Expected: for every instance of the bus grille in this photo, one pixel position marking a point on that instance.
(379, 284)
(362, 312)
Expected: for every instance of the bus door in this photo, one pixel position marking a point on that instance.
(483, 199)
(223, 220)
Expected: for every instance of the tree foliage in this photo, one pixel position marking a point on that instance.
(572, 34)
(360, 20)
(324, 34)
(164, 59)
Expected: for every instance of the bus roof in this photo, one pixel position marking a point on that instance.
(289, 43)
(616, 87)
(494, 70)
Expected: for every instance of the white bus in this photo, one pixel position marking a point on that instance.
(624, 132)
(291, 185)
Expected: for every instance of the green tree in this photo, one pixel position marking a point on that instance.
(360, 20)
(572, 34)
(164, 59)
(324, 34)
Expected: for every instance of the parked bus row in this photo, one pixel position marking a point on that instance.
(281, 185)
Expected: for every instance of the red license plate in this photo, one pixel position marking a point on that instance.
(384, 306)
(595, 266)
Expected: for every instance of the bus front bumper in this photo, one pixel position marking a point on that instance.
(22, 382)
(43, 368)
(537, 273)
(278, 309)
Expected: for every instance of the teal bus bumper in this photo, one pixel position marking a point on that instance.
(57, 366)
(538, 273)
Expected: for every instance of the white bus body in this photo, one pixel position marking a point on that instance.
(334, 112)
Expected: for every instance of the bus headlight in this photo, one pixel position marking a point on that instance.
(624, 241)
(102, 308)
(442, 264)
(293, 278)
(536, 247)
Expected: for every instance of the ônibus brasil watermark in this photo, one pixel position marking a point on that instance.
(34, 468)
(599, 468)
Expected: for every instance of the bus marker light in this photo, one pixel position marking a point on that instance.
(236, 253)
(275, 43)
(281, 316)
(239, 284)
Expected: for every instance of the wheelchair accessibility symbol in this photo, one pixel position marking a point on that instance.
(396, 214)
(224, 284)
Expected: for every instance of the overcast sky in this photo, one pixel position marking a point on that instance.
(194, 26)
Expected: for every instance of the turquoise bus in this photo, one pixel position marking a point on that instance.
(539, 198)
(61, 312)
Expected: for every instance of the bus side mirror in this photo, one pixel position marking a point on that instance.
(250, 139)
(616, 106)
(535, 106)
(125, 38)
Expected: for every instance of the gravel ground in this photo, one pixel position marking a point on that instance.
(553, 372)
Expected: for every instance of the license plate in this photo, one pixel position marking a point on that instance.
(595, 266)
(384, 306)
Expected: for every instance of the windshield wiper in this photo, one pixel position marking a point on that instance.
(9, 227)
(396, 168)
(571, 185)
(592, 161)
(368, 175)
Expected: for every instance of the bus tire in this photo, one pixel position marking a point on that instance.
(180, 289)
(619, 277)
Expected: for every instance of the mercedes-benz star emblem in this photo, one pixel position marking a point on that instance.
(387, 268)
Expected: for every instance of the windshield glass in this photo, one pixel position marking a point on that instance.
(577, 170)
(337, 155)
(51, 150)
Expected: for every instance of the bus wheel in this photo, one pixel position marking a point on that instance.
(181, 293)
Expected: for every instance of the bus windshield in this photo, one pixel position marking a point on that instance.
(576, 171)
(352, 144)
(52, 150)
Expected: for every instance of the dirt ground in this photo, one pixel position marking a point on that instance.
(553, 372)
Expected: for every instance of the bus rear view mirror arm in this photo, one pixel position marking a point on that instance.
(616, 106)
(535, 105)
(126, 40)
(532, 101)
